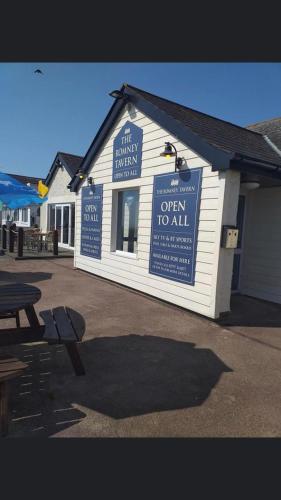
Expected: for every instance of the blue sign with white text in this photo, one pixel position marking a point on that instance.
(91, 221)
(175, 209)
(127, 153)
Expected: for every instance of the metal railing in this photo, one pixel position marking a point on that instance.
(21, 241)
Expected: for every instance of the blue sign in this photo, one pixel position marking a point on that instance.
(175, 209)
(127, 153)
(91, 221)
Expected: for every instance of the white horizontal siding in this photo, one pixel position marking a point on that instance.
(58, 193)
(134, 272)
(43, 217)
(58, 186)
(261, 258)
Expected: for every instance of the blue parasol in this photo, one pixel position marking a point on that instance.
(15, 194)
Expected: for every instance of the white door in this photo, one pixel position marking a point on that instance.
(63, 224)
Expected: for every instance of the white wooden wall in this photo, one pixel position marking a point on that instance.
(201, 297)
(261, 259)
(58, 193)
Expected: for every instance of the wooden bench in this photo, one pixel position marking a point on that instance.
(62, 326)
(10, 368)
(65, 326)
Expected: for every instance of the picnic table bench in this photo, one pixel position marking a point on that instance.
(63, 325)
(10, 368)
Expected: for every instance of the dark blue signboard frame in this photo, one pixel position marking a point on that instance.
(91, 221)
(127, 153)
(175, 215)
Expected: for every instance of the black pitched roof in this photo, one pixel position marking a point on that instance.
(69, 161)
(25, 178)
(219, 133)
(224, 144)
(72, 161)
(270, 128)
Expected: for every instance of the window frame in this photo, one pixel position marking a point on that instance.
(24, 210)
(114, 223)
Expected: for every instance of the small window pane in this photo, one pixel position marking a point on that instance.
(59, 221)
(127, 221)
(72, 222)
(51, 217)
(24, 215)
(65, 231)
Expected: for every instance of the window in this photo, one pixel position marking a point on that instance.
(51, 217)
(24, 215)
(7, 214)
(16, 215)
(72, 224)
(127, 220)
(62, 217)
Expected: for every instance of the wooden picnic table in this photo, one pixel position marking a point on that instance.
(20, 296)
(62, 324)
(42, 236)
(37, 238)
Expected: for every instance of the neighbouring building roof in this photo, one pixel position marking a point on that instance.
(270, 128)
(224, 144)
(70, 162)
(25, 179)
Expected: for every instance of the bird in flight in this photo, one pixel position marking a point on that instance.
(38, 72)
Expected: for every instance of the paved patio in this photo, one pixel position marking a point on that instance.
(153, 370)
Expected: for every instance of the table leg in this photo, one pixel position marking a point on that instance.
(18, 319)
(32, 316)
(75, 358)
(4, 408)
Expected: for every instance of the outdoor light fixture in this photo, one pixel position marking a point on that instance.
(250, 183)
(80, 174)
(170, 151)
(117, 94)
(90, 181)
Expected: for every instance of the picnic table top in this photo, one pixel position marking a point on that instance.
(17, 296)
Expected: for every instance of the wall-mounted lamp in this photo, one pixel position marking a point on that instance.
(80, 174)
(250, 182)
(251, 185)
(170, 151)
(117, 94)
(90, 181)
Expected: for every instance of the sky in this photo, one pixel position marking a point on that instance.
(63, 109)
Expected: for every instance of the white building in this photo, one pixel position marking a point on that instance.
(59, 210)
(23, 217)
(173, 234)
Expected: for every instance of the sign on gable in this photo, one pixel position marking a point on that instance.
(127, 153)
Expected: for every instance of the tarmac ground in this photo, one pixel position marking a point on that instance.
(152, 369)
